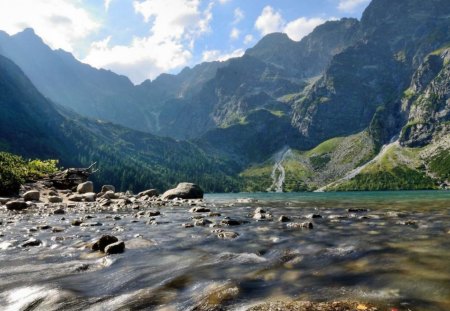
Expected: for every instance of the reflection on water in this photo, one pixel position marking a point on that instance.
(391, 249)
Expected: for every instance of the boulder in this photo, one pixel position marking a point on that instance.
(110, 195)
(32, 195)
(16, 205)
(85, 187)
(115, 248)
(184, 191)
(106, 188)
(150, 193)
(104, 241)
(89, 197)
(54, 199)
(75, 198)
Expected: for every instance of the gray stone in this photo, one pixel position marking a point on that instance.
(89, 197)
(32, 195)
(110, 195)
(55, 199)
(149, 193)
(284, 218)
(106, 188)
(31, 242)
(115, 248)
(199, 210)
(4, 200)
(16, 205)
(184, 191)
(227, 235)
(300, 225)
(230, 222)
(75, 198)
(85, 187)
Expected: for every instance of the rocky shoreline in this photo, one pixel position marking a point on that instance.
(94, 225)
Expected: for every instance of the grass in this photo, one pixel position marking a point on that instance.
(325, 147)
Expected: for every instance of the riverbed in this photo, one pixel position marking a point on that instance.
(387, 249)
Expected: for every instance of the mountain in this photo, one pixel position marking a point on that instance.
(32, 126)
(91, 92)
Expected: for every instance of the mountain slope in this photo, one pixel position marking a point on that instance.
(33, 127)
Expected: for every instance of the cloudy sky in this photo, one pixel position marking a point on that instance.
(144, 38)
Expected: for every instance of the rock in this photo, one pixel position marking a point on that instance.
(59, 211)
(106, 188)
(227, 235)
(259, 210)
(109, 195)
(57, 229)
(32, 195)
(31, 242)
(115, 248)
(54, 199)
(230, 222)
(300, 225)
(76, 222)
(149, 193)
(187, 225)
(104, 241)
(153, 213)
(44, 227)
(89, 197)
(85, 187)
(214, 214)
(91, 224)
(314, 216)
(16, 205)
(357, 210)
(202, 222)
(283, 218)
(4, 200)
(75, 198)
(199, 210)
(259, 216)
(184, 191)
(310, 306)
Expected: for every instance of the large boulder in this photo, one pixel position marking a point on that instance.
(106, 188)
(32, 195)
(184, 191)
(16, 205)
(85, 187)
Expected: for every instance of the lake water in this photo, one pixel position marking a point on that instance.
(391, 249)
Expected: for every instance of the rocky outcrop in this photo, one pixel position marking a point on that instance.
(184, 191)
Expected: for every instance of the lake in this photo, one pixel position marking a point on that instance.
(390, 249)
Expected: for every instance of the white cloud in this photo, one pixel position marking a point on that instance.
(350, 5)
(224, 1)
(107, 3)
(60, 23)
(269, 21)
(301, 27)
(235, 33)
(216, 55)
(174, 27)
(238, 16)
(248, 39)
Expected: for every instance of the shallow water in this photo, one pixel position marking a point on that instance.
(395, 255)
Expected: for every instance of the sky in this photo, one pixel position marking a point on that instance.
(144, 38)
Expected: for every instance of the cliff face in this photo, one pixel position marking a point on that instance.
(427, 101)
(372, 74)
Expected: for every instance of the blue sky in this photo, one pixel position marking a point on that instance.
(144, 38)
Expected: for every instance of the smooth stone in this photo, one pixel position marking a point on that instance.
(314, 216)
(259, 216)
(32, 195)
(104, 241)
(75, 198)
(284, 218)
(106, 188)
(202, 222)
(187, 225)
(31, 242)
(230, 222)
(115, 248)
(227, 235)
(57, 229)
(149, 193)
(109, 195)
(85, 187)
(89, 197)
(55, 199)
(199, 210)
(59, 211)
(259, 210)
(184, 191)
(76, 222)
(44, 227)
(16, 205)
(153, 213)
(91, 224)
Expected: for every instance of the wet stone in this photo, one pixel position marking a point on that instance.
(230, 222)
(199, 209)
(59, 211)
(16, 205)
(31, 242)
(284, 218)
(44, 227)
(357, 210)
(91, 224)
(76, 222)
(115, 248)
(187, 225)
(104, 241)
(300, 225)
(314, 216)
(57, 229)
(55, 199)
(227, 235)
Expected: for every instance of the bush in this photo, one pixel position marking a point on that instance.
(14, 171)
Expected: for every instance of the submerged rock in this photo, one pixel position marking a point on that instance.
(300, 225)
(227, 235)
(184, 191)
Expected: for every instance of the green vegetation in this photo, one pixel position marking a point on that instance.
(440, 164)
(14, 171)
(325, 147)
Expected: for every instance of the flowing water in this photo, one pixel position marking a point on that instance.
(395, 254)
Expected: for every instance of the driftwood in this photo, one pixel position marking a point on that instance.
(71, 177)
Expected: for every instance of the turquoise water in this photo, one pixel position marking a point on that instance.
(391, 249)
